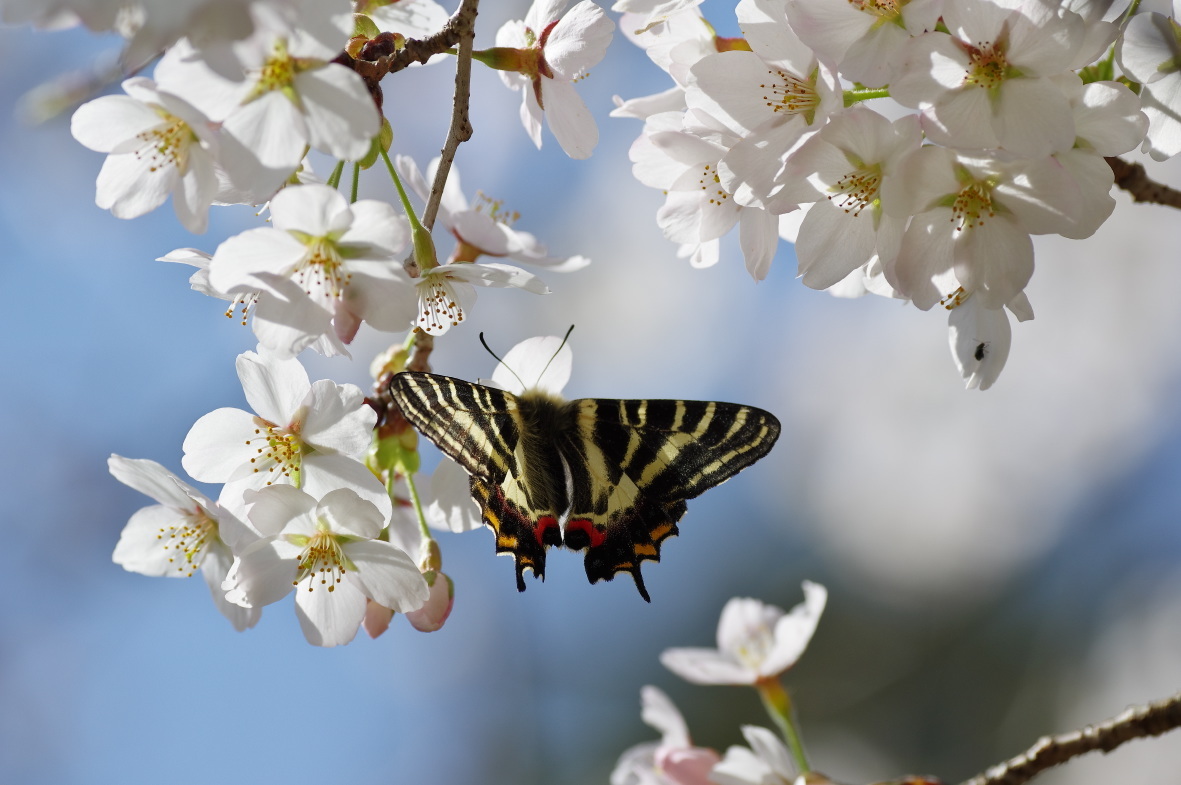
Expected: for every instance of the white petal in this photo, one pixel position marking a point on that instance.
(794, 630)
(570, 121)
(347, 513)
(388, 575)
(543, 363)
(264, 575)
(152, 479)
(706, 666)
(312, 209)
(330, 618)
(453, 508)
(341, 116)
(274, 388)
(578, 41)
(217, 445)
(658, 710)
(338, 419)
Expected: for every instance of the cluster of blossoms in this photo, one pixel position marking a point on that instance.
(910, 150)
(1002, 112)
(757, 643)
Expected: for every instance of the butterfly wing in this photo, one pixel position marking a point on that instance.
(634, 463)
(516, 473)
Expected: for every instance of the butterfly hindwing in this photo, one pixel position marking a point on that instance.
(634, 463)
(618, 471)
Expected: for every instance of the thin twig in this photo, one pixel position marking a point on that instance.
(460, 131)
(1133, 179)
(1049, 751)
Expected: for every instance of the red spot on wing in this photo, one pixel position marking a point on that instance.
(544, 524)
(595, 536)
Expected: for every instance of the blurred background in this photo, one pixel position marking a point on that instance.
(1000, 565)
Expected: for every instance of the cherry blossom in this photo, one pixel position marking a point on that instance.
(552, 51)
(158, 145)
(447, 291)
(485, 229)
(327, 551)
(682, 160)
(755, 641)
(973, 216)
(324, 266)
(766, 762)
(1150, 52)
(988, 83)
(312, 436)
(671, 761)
(841, 168)
(276, 93)
(861, 40)
(184, 533)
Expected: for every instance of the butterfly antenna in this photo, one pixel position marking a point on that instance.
(554, 356)
(488, 349)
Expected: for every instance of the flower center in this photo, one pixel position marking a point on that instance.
(494, 209)
(711, 185)
(789, 94)
(166, 145)
(971, 206)
(322, 273)
(322, 561)
(884, 10)
(755, 646)
(187, 540)
(279, 451)
(856, 190)
(247, 301)
(987, 66)
(437, 302)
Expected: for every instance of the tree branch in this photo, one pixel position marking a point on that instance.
(464, 22)
(1049, 751)
(1133, 179)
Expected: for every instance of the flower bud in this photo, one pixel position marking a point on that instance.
(434, 613)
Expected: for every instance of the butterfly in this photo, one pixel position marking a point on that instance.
(617, 472)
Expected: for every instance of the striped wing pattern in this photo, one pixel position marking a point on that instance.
(619, 472)
(634, 463)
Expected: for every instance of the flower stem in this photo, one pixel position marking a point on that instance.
(356, 183)
(417, 502)
(864, 94)
(424, 246)
(778, 704)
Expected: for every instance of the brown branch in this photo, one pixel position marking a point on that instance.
(464, 22)
(375, 63)
(1049, 751)
(1133, 179)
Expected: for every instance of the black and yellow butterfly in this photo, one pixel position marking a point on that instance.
(617, 472)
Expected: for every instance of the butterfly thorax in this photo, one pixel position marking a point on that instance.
(544, 420)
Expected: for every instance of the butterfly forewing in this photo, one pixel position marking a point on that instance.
(620, 471)
(633, 463)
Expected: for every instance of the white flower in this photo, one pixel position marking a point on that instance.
(1150, 53)
(671, 761)
(769, 98)
(324, 265)
(988, 84)
(555, 50)
(861, 40)
(755, 641)
(312, 436)
(328, 552)
(184, 533)
(972, 219)
(445, 292)
(292, 96)
(483, 230)
(698, 210)
(980, 339)
(158, 145)
(841, 168)
(767, 762)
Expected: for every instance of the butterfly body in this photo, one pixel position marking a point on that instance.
(617, 472)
